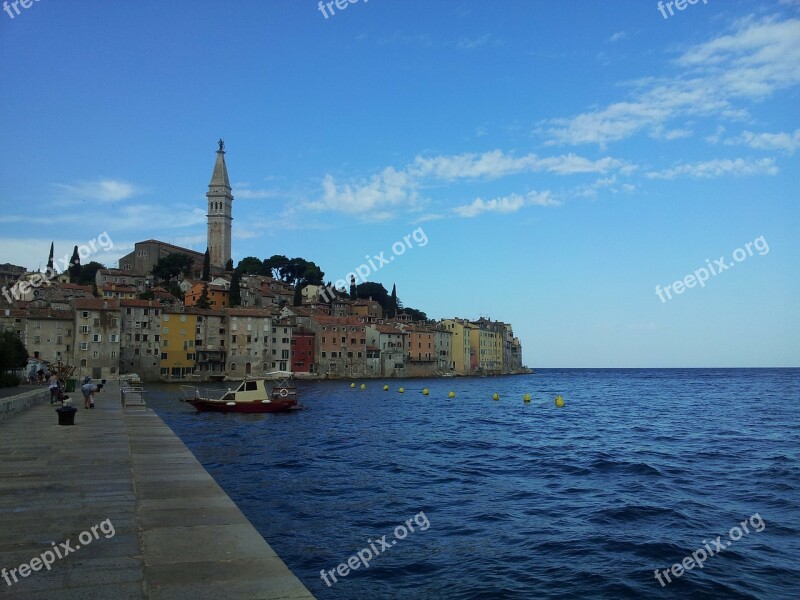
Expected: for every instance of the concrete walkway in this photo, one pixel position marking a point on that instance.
(163, 528)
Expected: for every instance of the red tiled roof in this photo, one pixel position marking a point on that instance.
(96, 304)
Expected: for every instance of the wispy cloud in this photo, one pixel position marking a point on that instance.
(505, 204)
(368, 198)
(248, 194)
(496, 164)
(619, 35)
(380, 196)
(718, 168)
(748, 65)
(472, 43)
(785, 141)
(101, 190)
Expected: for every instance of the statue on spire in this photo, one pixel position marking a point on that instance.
(221, 145)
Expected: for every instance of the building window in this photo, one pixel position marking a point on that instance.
(95, 354)
(84, 346)
(97, 337)
(163, 356)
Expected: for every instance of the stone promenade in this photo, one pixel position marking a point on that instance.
(163, 528)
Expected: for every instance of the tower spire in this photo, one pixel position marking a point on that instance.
(220, 211)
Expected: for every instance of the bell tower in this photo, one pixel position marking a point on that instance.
(220, 212)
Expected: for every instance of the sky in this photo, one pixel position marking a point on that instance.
(549, 164)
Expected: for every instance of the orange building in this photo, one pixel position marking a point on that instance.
(218, 296)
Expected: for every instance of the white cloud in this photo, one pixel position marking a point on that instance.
(368, 198)
(496, 164)
(718, 168)
(505, 204)
(102, 190)
(248, 194)
(379, 197)
(620, 35)
(471, 44)
(748, 65)
(784, 141)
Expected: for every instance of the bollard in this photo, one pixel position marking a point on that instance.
(66, 415)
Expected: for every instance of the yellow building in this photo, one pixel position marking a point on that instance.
(487, 342)
(461, 349)
(178, 357)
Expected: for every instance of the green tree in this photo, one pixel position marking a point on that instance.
(250, 265)
(298, 295)
(88, 273)
(392, 307)
(274, 265)
(229, 264)
(235, 293)
(50, 258)
(203, 302)
(74, 266)
(13, 355)
(175, 290)
(171, 265)
(207, 266)
(376, 291)
(416, 315)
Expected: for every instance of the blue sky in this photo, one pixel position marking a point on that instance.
(563, 158)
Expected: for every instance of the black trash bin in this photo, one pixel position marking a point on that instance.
(66, 415)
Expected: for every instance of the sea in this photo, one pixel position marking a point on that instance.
(647, 483)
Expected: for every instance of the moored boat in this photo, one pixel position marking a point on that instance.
(250, 397)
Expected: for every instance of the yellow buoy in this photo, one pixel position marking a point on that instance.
(401, 390)
(425, 392)
(352, 385)
(386, 388)
(495, 396)
(526, 398)
(451, 395)
(363, 386)
(559, 402)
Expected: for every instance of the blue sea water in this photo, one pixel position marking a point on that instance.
(639, 469)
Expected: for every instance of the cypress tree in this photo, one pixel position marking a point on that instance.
(235, 292)
(74, 266)
(207, 266)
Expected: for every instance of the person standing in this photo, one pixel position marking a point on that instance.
(89, 390)
(54, 384)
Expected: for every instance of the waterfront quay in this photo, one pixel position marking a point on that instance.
(117, 507)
